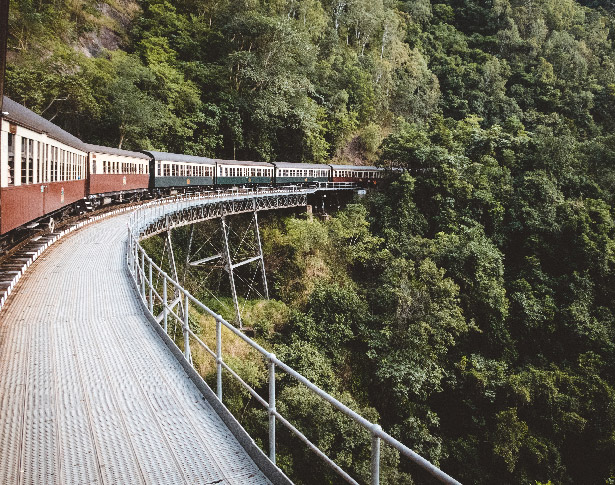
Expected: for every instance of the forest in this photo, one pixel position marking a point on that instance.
(468, 304)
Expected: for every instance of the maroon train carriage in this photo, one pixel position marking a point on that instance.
(116, 174)
(364, 175)
(42, 167)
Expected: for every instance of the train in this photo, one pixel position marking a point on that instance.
(45, 172)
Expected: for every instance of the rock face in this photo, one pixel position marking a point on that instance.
(111, 31)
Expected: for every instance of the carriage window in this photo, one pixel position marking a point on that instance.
(24, 160)
(62, 174)
(11, 154)
(39, 168)
(30, 161)
(54, 164)
(45, 159)
(60, 165)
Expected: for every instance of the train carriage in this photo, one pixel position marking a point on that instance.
(301, 173)
(172, 171)
(115, 173)
(360, 174)
(42, 167)
(45, 171)
(235, 172)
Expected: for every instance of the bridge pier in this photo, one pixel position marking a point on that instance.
(229, 266)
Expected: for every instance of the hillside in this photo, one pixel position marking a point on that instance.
(469, 305)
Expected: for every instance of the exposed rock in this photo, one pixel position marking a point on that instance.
(110, 34)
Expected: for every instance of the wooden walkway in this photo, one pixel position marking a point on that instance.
(89, 393)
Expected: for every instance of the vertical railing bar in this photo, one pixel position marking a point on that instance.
(165, 304)
(271, 409)
(142, 273)
(375, 455)
(186, 333)
(219, 358)
(151, 289)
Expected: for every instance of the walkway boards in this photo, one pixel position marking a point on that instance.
(89, 393)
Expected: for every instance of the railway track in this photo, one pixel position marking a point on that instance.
(21, 254)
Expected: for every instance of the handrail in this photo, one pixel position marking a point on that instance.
(138, 260)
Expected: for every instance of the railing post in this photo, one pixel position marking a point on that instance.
(375, 455)
(271, 408)
(186, 327)
(151, 289)
(134, 258)
(142, 274)
(165, 305)
(129, 250)
(219, 358)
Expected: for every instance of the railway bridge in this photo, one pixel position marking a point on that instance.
(93, 390)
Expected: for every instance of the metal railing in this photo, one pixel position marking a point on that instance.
(145, 272)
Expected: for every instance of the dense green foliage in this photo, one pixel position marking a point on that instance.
(468, 305)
